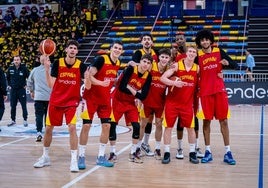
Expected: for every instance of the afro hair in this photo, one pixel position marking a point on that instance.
(204, 34)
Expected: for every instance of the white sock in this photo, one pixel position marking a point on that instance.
(102, 148)
(197, 143)
(192, 147)
(82, 150)
(179, 143)
(74, 155)
(146, 138)
(208, 148)
(113, 149)
(133, 148)
(45, 151)
(139, 144)
(157, 145)
(227, 148)
(167, 148)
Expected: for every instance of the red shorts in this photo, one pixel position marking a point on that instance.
(185, 114)
(103, 110)
(147, 111)
(214, 106)
(130, 111)
(55, 115)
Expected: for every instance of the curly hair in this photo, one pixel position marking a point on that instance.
(204, 34)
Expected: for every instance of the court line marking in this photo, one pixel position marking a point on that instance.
(260, 180)
(85, 174)
(9, 143)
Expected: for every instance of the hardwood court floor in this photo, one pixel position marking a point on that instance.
(19, 153)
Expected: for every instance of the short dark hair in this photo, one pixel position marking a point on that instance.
(72, 42)
(147, 56)
(117, 42)
(146, 34)
(164, 51)
(204, 34)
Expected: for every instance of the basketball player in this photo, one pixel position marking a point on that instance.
(181, 53)
(133, 83)
(65, 81)
(212, 92)
(154, 103)
(147, 48)
(181, 97)
(98, 99)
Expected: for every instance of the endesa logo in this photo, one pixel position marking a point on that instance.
(247, 92)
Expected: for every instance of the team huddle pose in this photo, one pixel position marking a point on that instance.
(167, 87)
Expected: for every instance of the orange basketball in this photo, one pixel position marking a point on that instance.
(47, 47)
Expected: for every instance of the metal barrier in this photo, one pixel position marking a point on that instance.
(241, 76)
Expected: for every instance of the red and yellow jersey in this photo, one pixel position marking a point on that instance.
(184, 96)
(108, 71)
(210, 66)
(156, 95)
(135, 82)
(66, 90)
(152, 53)
(180, 56)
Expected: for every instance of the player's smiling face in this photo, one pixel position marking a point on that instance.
(71, 51)
(164, 59)
(205, 43)
(147, 42)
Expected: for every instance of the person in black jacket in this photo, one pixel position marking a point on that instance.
(3, 93)
(17, 74)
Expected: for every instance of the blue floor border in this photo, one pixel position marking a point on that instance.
(261, 149)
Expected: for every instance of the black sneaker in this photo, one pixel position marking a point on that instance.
(11, 124)
(39, 138)
(166, 158)
(192, 158)
(112, 157)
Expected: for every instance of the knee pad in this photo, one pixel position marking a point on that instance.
(87, 121)
(148, 128)
(112, 135)
(136, 130)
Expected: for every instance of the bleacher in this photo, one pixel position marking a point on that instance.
(229, 33)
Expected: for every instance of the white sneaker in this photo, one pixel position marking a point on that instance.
(199, 154)
(42, 162)
(74, 166)
(147, 149)
(179, 154)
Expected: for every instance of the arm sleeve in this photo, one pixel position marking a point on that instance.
(145, 89)
(98, 62)
(136, 57)
(83, 68)
(54, 69)
(232, 64)
(125, 79)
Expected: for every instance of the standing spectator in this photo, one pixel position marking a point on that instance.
(138, 8)
(65, 81)
(17, 74)
(3, 93)
(250, 62)
(212, 92)
(40, 92)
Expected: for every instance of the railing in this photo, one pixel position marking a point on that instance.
(241, 76)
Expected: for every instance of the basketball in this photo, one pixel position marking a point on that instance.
(173, 78)
(47, 47)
